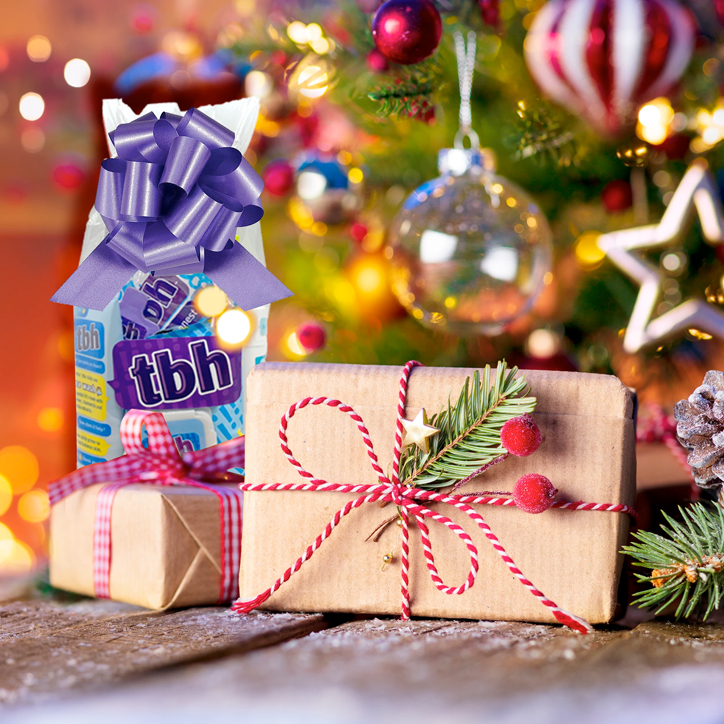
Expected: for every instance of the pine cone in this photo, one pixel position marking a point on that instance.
(700, 429)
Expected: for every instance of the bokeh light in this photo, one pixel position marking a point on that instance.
(39, 49)
(32, 106)
(233, 327)
(34, 506)
(15, 557)
(588, 254)
(76, 73)
(543, 343)
(258, 84)
(211, 301)
(293, 347)
(68, 176)
(654, 119)
(312, 82)
(32, 140)
(19, 467)
(6, 495)
(297, 31)
(50, 419)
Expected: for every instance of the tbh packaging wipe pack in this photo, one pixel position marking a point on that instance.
(151, 347)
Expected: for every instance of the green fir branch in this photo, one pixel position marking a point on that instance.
(540, 131)
(469, 431)
(407, 91)
(687, 562)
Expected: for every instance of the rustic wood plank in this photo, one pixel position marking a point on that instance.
(47, 648)
(390, 671)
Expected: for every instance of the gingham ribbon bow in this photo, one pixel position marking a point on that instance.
(410, 503)
(161, 464)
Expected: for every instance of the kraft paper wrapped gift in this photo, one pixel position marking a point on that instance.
(165, 540)
(588, 452)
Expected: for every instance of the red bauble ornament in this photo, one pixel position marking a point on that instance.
(534, 493)
(377, 62)
(520, 436)
(358, 232)
(602, 59)
(311, 336)
(490, 12)
(719, 8)
(278, 177)
(407, 31)
(617, 196)
(677, 145)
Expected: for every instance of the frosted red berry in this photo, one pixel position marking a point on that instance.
(534, 493)
(520, 436)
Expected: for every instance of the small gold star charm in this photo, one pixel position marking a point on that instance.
(417, 431)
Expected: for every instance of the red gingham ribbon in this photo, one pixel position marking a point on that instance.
(161, 464)
(408, 500)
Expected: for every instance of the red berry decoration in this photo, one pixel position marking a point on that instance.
(311, 336)
(617, 196)
(520, 436)
(534, 493)
(407, 31)
(278, 177)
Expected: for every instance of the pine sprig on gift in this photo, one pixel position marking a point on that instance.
(469, 431)
(687, 562)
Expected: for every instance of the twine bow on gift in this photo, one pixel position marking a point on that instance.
(172, 201)
(161, 464)
(410, 502)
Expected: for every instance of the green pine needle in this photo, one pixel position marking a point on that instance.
(469, 430)
(408, 90)
(687, 562)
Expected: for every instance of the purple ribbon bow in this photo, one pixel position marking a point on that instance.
(171, 202)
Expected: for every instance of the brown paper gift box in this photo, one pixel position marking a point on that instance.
(166, 545)
(573, 557)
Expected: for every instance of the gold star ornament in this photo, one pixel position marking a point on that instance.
(698, 191)
(417, 431)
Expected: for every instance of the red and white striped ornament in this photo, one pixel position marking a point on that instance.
(603, 59)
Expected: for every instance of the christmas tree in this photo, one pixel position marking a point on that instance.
(358, 99)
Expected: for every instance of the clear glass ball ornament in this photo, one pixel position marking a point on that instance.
(470, 250)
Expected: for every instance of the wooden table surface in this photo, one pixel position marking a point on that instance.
(98, 661)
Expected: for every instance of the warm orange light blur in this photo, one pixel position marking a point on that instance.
(20, 467)
(15, 557)
(369, 275)
(34, 506)
(211, 301)
(50, 419)
(6, 496)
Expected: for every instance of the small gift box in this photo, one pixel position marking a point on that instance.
(152, 528)
(371, 540)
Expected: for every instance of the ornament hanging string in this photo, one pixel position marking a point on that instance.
(465, 55)
(409, 501)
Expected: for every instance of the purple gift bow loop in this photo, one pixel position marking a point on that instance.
(172, 201)
(161, 464)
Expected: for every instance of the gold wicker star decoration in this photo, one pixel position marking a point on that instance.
(417, 431)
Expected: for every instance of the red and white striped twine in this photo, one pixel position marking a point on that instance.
(409, 502)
